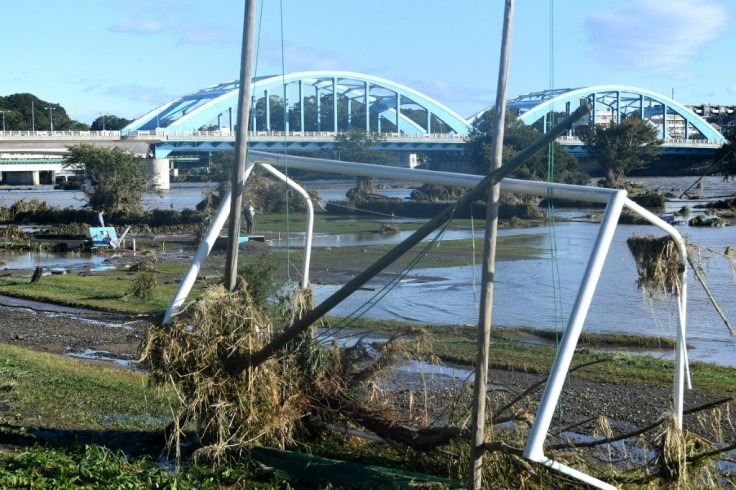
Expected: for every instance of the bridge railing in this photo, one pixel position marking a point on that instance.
(60, 134)
(317, 135)
(226, 134)
(574, 140)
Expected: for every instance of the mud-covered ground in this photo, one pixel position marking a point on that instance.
(105, 337)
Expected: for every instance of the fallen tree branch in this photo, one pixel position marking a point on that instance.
(499, 446)
(708, 454)
(422, 440)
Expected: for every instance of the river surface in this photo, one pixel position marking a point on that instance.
(537, 292)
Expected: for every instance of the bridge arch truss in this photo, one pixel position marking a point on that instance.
(613, 103)
(321, 101)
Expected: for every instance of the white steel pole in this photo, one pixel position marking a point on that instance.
(534, 449)
(204, 249)
(310, 220)
(682, 371)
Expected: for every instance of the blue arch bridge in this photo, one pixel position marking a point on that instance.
(303, 111)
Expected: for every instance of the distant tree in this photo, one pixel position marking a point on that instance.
(111, 123)
(261, 191)
(619, 148)
(118, 177)
(518, 136)
(726, 154)
(358, 146)
(220, 171)
(21, 118)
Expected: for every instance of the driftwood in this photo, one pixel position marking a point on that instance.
(37, 274)
(701, 280)
(421, 439)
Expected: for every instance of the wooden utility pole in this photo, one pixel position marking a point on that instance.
(477, 429)
(241, 137)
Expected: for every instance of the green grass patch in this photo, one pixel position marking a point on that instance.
(55, 391)
(92, 466)
(105, 290)
(616, 367)
(274, 223)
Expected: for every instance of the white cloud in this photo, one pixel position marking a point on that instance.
(683, 76)
(182, 23)
(138, 27)
(300, 58)
(654, 34)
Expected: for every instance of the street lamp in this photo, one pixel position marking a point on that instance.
(4, 120)
(51, 117)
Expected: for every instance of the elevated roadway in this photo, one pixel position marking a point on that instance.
(31, 158)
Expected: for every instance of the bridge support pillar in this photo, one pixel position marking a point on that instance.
(30, 177)
(47, 177)
(159, 169)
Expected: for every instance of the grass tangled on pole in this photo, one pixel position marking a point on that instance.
(656, 263)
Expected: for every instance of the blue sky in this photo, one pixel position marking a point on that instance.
(127, 57)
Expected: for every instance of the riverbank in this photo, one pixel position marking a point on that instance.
(520, 359)
(623, 390)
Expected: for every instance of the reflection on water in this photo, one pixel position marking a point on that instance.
(50, 260)
(180, 196)
(370, 238)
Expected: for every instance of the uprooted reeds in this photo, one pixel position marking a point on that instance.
(265, 404)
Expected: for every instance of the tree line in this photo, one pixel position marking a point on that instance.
(26, 112)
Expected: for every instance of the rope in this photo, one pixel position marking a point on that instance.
(706, 172)
(253, 91)
(286, 156)
(556, 288)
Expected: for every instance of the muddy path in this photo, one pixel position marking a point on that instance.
(108, 338)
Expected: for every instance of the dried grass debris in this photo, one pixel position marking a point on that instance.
(144, 266)
(657, 263)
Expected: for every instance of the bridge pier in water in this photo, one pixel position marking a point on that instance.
(159, 168)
